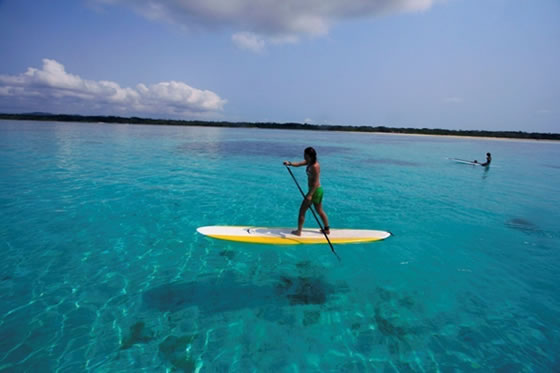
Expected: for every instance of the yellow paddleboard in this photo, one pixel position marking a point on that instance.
(283, 236)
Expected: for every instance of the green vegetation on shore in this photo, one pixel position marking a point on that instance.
(293, 126)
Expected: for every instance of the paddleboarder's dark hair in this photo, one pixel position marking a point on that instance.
(312, 154)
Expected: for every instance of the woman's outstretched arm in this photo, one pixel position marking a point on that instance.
(297, 164)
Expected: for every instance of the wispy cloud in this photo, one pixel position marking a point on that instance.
(249, 41)
(452, 100)
(54, 86)
(544, 111)
(268, 20)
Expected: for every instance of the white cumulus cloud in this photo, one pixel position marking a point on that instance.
(51, 86)
(271, 20)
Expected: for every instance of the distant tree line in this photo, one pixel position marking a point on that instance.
(293, 126)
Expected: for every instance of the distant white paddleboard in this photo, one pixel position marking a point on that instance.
(283, 236)
(464, 161)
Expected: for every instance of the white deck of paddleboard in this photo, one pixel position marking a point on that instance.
(464, 161)
(248, 231)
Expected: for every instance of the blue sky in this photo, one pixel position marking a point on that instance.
(459, 64)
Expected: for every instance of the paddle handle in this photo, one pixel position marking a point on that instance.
(314, 215)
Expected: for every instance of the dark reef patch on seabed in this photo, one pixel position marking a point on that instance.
(311, 317)
(528, 227)
(230, 293)
(254, 148)
(304, 290)
(391, 328)
(387, 327)
(174, 350)
(138, 333)
(523, 225)
(230, 254)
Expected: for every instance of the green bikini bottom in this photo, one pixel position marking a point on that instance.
(317, 196)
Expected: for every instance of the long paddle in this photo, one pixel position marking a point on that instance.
(315, 216)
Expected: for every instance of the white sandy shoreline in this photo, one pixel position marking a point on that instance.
(490, 138)
(486, 138)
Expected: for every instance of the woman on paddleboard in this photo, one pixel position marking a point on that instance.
(315, 193)
(488, 160)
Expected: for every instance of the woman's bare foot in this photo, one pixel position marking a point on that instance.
(326, 230)
(296, 233)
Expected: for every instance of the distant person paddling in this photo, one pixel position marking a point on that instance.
(488, 160)
(315, 193)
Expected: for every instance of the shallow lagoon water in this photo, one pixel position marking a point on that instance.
(102, 268)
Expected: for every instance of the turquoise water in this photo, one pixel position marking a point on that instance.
(102, 269)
